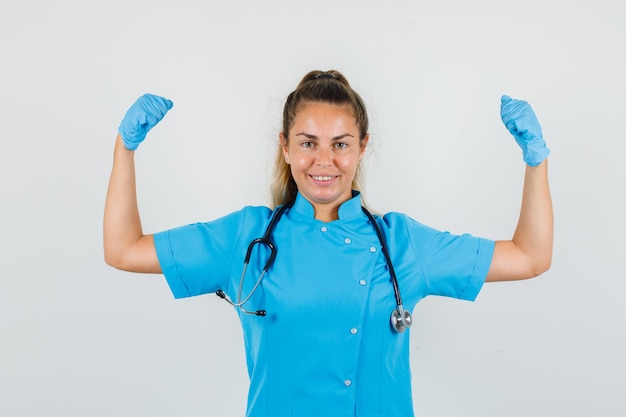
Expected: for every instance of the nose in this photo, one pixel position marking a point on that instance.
(324, 157)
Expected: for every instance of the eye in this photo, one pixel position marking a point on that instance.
(308, 144)
(341, 145)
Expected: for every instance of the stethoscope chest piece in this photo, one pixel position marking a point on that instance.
(401, 319)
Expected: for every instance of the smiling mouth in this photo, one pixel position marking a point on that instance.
(322, 177)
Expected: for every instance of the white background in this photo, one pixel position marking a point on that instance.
(79, 338)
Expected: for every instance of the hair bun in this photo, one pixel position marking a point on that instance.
(325, 76)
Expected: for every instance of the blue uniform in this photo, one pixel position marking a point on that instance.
(326, 346)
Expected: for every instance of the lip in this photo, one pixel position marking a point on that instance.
(323, 179)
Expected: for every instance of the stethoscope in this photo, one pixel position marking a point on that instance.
(400, 318)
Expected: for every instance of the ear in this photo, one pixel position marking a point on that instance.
(283, 144)
(364, 143)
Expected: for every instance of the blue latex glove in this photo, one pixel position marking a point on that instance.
(519, 118)
(142, 116)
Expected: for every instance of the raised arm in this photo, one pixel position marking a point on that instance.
(125, 245)
(529, 252)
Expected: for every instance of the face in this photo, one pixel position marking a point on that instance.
(323, 151)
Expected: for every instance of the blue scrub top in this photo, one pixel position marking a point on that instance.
(326, 344)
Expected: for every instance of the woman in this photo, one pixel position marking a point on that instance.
(323, 325)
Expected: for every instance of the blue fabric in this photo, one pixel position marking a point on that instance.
(326, 342)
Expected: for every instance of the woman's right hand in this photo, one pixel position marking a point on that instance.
(142, 116)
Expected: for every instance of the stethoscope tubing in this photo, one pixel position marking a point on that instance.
(400, 319)
(392, 272)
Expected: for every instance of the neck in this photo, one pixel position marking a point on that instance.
(326, 214)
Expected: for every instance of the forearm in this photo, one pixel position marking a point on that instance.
(529, 252)
(122, 223)
(534, 233)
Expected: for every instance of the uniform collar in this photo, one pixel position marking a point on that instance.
(351, 208)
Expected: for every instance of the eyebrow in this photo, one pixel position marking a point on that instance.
(310, 136)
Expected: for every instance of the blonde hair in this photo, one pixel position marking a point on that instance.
(315, 87)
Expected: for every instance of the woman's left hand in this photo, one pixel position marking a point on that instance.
(519, 118)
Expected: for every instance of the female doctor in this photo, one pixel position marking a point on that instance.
(323, 289)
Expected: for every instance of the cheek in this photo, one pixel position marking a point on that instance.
(300, 161)
(347, 163)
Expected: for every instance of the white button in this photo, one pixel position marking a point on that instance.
(362, 282)
(347, 240)
(324, 229)
(372, 249)
(347, 382)
(354, 330)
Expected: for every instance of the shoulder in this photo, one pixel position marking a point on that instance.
(402, 222)
(247, 213)
(243, 219)
(247, 218)
(255, 213)
(405, 231)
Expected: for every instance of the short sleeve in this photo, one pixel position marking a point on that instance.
(196, 258)
(439, 262)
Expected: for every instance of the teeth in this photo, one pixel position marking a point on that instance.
(320, 178)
